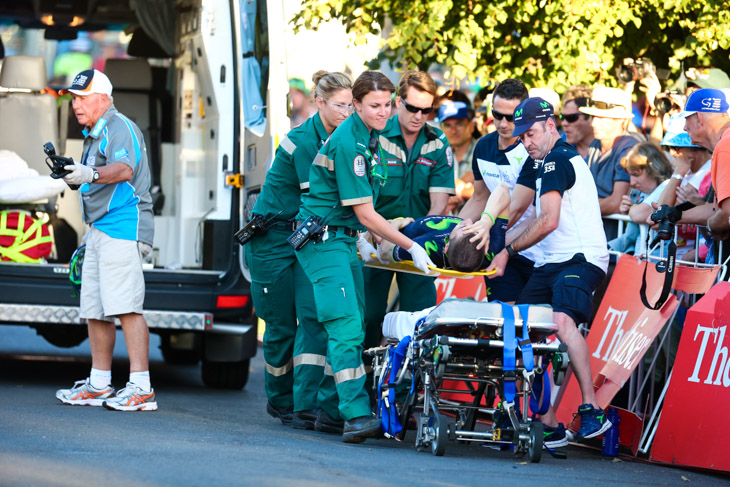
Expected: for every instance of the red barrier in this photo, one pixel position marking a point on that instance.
(620, 334)
(694, 425)
(452, 287)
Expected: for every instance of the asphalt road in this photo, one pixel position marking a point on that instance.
(207, 437)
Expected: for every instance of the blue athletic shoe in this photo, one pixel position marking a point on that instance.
(555, 437)
(593, 422)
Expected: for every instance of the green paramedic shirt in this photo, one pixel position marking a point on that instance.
(288, 176)
(429, 169)
(340, 176)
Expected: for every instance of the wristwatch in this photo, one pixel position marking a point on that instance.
(677, 176)
(510, 251)
(95, 176)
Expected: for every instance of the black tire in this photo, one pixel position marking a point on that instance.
(64, 336)
(180, 357)
(534, 450)
(225, 375)
(441, 433)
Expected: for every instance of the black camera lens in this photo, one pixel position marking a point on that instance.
(663, 104)
(626, 74)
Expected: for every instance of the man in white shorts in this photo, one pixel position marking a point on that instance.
(113, 179)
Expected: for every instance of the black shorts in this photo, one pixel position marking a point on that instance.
(568, 287)
(508, 287)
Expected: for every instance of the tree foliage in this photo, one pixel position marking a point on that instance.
(554, 43)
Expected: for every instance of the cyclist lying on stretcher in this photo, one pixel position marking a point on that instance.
(448, 240)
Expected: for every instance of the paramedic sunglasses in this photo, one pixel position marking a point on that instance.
(499, 116)
(415, 109)
(339, 107)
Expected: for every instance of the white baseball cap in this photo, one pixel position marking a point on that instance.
(88, 82)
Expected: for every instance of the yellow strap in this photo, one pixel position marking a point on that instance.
(26, 241)
(14, 255)
(407, 266)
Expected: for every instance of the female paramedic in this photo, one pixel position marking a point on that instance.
(294, 355)
(344, 181)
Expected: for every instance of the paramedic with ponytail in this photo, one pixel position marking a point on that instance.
(344, 182)
(568, 230)
(114, 181)
(294, 355)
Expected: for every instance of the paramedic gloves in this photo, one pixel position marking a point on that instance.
(420, 258)
(78, 175)
(366, 249)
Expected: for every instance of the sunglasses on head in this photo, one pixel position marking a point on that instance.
(571, 117)
(499, 116)
(415, 109)
(602, 105)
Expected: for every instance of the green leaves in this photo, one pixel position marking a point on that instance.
(553, 43)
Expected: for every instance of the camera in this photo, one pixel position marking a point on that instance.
(664, 103)
(57, 163)
(310, 229)
(635, 69)
(257, 225)
(666, 217)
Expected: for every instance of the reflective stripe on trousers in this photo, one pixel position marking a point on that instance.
(279, 371)
(349, 374)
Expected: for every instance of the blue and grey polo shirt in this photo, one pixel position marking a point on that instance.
(121, 210)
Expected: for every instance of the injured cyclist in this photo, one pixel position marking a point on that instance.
(444, 238)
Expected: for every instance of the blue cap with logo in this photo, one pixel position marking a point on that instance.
(530, 111)
(454, 109)
(707, 100)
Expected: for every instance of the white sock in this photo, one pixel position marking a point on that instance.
(100, 379)
(141, 380)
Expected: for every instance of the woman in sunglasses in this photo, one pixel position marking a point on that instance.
(281, 292)
(343, 185)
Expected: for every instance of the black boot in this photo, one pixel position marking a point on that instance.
(304, 420)
(284, 414)
(326, 424)
(356, 430)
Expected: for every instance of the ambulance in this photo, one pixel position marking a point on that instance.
(197, 76)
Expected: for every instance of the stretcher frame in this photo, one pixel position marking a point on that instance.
(434, 356)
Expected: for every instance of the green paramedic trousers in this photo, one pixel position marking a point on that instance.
(335, 271)
(414, 294)
(294, 355)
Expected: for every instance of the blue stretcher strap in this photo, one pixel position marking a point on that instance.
(528, 358)
(510, 345)
(540, 394)
(389, 420)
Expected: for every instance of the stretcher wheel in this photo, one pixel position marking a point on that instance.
(440, 435)
(534, 450)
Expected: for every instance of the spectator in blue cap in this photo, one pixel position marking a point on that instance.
(691, 164)
(574, 256)
(707, 123)
(457, 121)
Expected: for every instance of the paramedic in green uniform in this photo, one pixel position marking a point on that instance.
(294, 355)
(420, 181)
(345, 179)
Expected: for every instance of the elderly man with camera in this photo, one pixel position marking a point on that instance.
(113, 180)
(707, 123)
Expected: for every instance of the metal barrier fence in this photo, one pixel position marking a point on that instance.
(642, 399)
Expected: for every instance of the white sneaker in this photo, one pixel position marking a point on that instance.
(84, 394)
(132, 398)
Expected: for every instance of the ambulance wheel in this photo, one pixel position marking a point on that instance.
(534, 450)
(440, 435)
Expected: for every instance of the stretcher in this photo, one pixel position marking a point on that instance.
(408, 267)
(486, 347)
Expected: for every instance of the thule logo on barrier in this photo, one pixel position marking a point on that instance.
(720, 365)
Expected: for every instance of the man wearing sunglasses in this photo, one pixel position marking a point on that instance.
(500, 157)
(574, 254)
(418, 182)
(576, 125)
(611, 112)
